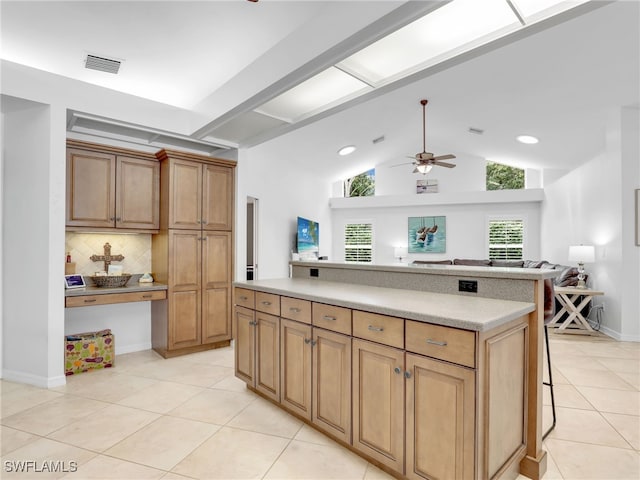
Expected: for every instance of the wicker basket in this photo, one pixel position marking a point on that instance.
(111, 280)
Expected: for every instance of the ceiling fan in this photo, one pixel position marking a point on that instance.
(424, 161)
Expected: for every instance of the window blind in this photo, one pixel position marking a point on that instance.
(506, 239)
(358, 242)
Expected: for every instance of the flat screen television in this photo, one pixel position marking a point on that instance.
(308, 239)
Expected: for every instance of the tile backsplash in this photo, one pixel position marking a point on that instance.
(136, 249)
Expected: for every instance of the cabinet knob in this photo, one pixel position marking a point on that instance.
(313, 343)
(407, 374)
(118, 219)
(307, 341)
(397, 370)
(112, 218)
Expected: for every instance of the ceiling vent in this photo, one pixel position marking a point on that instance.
(476, 131)
(378, 140)
(102, 64)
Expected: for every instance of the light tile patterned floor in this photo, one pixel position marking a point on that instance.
(189, 417)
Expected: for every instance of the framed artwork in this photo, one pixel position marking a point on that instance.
(427, 186)
(427, 234)
(638, 217)
(74, 281)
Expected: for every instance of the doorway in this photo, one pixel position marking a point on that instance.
(252, 238)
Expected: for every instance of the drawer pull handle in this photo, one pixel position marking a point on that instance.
(376, 329)
(397, 370)
(436, 342)
(329, 317)
(148, 295)
(243, 298)
(294, 309)
(265, 303)
(89, 300)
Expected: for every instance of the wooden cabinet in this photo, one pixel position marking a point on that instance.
(378, 402)
(111, 188)
(199, 194)
(331, 383)
(194, 254)
(257, 350)
(440, 419)
(295, 367)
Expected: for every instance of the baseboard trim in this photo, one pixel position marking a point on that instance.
(618, 336)
(35, 380)
(136, 347)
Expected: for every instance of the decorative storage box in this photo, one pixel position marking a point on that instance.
(90, 350)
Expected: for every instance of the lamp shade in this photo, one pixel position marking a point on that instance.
(582, 253)
(424, 168)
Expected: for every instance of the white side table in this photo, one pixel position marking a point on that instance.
(568, 296)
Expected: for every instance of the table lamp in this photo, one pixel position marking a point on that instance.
(582, 254)
(400, 252)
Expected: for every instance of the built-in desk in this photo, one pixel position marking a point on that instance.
(88, 296)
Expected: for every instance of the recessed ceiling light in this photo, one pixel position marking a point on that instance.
(347, 150)
(528, 139)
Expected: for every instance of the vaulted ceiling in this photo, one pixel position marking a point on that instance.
(309, 71)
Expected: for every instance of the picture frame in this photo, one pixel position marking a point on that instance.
(74, 281)
(638, 217)
(427, 234)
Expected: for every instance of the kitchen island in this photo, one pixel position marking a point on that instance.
(422, 383)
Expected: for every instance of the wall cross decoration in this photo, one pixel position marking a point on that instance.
(107, 258)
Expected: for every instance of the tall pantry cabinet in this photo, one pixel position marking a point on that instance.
(193, 253)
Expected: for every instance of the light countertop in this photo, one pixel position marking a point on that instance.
(465, 312)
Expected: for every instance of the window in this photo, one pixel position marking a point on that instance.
(506, 239)
(363, 185)
(358, 244)
(504, 177)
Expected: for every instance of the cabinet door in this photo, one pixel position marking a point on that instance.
(378, 402)
(185, 194)
(268, 355)
(137, 193)
(331, 383)
(217, 199)
(184, 289)
(91, 188)
(216, 286)
(440, 416)
(245, 344)
(295, 367)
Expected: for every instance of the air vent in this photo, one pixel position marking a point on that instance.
(378, 140)
(102, 64)
(477, 131)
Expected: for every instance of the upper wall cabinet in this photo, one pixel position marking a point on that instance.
(111, 188)
(199, 194)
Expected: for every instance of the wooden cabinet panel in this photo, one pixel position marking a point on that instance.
(185, 253)
(440, 428)
(184, 314)
(295, 367)
(91, 188)
(185, 194)
(378, 402)
(216, 314)
(331, 405)
(268, 303)
(216, 279)
(137, 187)
(379, 328)
(445, 343)
(107, 299)
(268, 355)
(296, 309)
(337, 319)
(245, 345)
(217, 205)
(244, 297)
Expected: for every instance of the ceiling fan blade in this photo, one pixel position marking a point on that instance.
(415, 170)
(444, 157)
(400, 164)
(444, 164)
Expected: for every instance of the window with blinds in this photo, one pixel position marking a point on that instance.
(358, 242)
(506, 239)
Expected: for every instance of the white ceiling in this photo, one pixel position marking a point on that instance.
(562, 79)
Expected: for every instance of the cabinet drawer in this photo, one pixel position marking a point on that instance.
(333, 318)
(244, 298)
(107, 299)
(268, 303)
(379, 328)
(444, 343)
(295, 309)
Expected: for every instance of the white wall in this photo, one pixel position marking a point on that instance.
(593, 205)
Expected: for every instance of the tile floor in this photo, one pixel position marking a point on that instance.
(189, 417)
